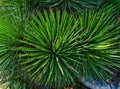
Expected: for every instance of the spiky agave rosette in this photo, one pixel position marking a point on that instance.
(49, 44)
(100, 35)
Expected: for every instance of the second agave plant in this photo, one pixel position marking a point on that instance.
(100, 36)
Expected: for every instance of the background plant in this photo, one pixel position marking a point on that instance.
(67, 5)
(100, 36)
(115, 3)
(73, 5)
(7, 48)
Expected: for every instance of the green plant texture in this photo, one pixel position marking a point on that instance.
(67, 5)
(73, 5)
(100, 35)
(115, 2)
(52, 48)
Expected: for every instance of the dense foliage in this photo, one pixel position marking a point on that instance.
(43, 44)
(49, 49)
(68, 5)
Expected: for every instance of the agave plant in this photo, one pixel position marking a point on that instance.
(100, 36)
(10, 30)
(49, 44)
(8, 36)
(7, 42)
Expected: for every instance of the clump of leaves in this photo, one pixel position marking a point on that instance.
(10, 28)
(100, 36)
(8, 35)
(49, 44)
(56, 48)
